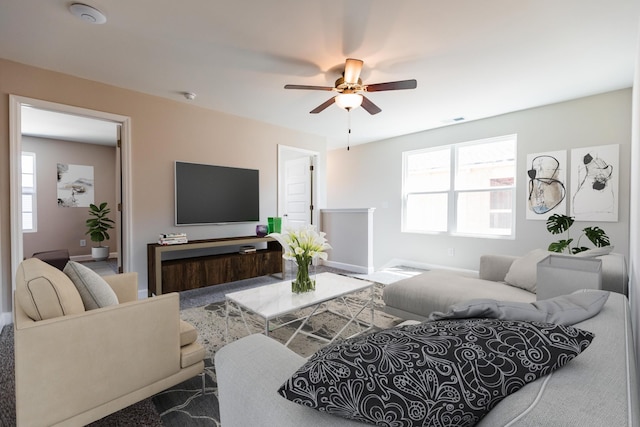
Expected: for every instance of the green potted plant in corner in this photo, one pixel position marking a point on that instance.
(98, 224)
(557, 224)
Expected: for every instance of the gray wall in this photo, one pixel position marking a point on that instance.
(370, 175)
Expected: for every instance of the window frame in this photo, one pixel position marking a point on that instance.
(30, 191)
(454, 193)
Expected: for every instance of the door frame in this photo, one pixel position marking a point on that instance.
(15, 188)
(313, 155)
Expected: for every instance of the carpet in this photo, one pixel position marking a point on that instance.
(185, 404)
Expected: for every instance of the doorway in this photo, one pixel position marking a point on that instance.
(123, 174)
(297, 186)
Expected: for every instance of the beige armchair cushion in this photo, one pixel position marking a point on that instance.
(188, 333)
(191, 354)
(93, 289)
(44, 292)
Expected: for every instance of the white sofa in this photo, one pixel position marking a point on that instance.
(598, 388)
(500, 277)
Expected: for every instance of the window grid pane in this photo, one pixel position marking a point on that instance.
(428, 171)
(427, 212)
(480, 165)
(481, 202)
(28, 163)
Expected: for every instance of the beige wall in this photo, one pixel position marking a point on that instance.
(370, 175)
(162, 131)
(60, 227)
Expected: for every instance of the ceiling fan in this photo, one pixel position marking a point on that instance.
(350, 89)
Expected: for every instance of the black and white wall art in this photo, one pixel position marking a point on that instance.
(75, 185)
(546, 184)
(594, 183)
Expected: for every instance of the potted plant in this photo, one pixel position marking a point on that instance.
(98, 225)
(557, 224)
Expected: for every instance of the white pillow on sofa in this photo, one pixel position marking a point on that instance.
(94, 290)
(523, 271)
(595, 252)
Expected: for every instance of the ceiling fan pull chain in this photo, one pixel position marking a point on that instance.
(349, 128)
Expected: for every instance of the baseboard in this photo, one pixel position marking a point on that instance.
(5, 319)
(423, 266)
(349, 267)
(82, 258)
(143, 294)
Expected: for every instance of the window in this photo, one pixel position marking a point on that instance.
(466, 188)
(29, 192)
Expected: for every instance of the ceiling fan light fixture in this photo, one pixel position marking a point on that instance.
(349, 101)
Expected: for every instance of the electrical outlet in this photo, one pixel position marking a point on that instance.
(83, 243)
(451, 251)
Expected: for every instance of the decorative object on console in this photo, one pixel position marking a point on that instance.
(274, 224)
(303, 246)
(557, 224)
(262, 230)
(98, 225)
(172, 238)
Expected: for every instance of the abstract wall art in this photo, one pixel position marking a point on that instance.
(546, 184)
(594, 183)
(75, 185)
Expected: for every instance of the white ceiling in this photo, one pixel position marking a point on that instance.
(472, 59)
(68, 127)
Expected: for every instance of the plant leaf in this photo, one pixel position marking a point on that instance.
(560, 245)
(557, 224)
(577, 250)
(597, 236)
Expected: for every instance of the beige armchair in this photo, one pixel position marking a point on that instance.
(77, 366)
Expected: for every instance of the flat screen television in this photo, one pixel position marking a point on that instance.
(210, 194)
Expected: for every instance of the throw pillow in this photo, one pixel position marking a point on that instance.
(563, 309)
(93, 289)
(44, 292)
(436, 373)
(595, 252)
(523, 271)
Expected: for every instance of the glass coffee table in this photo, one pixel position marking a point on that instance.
(270, 302)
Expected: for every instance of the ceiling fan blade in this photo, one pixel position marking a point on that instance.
(308, 87)
(322, 106)
(369, 106)
(352, 69)
(402, 84)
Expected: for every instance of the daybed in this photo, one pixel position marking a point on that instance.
(597, 388)
(501, 277)
(76, 363)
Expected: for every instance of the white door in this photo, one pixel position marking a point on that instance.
(298, 193)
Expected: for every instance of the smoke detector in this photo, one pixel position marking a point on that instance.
(87, 13)
(189, 95)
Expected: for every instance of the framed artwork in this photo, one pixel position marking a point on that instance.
(594, 183)
(546, 184)
(75, 185)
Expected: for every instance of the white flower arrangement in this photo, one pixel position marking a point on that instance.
(303, 245)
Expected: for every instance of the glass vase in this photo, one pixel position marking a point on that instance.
(305, 280)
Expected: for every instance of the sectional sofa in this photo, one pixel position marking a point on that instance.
(597, 388)
(501, 277)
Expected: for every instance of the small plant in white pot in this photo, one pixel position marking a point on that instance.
(98, 225)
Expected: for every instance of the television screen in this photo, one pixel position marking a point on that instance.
(209, 194)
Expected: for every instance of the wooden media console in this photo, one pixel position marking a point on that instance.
(182, 274)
